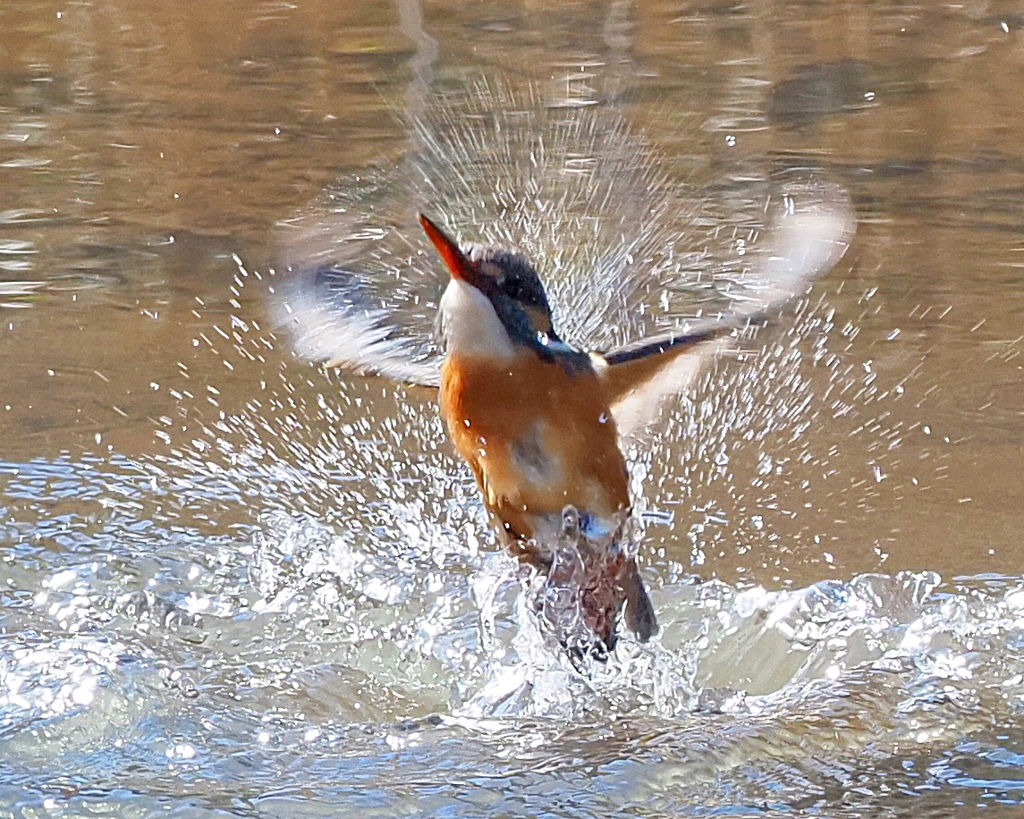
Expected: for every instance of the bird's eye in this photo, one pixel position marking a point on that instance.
(512, 287)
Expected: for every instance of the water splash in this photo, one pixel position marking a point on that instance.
(295, 644)
(628, 243)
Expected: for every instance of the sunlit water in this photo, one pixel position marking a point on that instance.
(234, 583)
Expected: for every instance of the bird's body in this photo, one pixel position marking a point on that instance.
(532, 418)
(538, 438)
(538, 451)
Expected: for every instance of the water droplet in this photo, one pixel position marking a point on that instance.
(181, 751)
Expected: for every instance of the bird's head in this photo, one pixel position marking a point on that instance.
(494, 301)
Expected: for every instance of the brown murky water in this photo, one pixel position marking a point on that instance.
(235, 582)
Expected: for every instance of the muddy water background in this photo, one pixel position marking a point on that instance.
(235, 583)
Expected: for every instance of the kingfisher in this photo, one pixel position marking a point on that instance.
(539, 421)
(532, 418)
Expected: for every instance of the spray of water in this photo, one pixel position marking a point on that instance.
(609, 221)
(354, 536)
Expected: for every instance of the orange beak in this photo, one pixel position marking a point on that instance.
(458, 265)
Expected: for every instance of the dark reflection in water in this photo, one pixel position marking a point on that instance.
(234, 583)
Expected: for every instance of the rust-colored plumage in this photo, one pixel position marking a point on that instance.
(538, 448)
(538, 452)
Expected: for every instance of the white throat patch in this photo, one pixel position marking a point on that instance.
(470, 326)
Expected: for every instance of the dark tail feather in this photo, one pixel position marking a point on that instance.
(640, 615)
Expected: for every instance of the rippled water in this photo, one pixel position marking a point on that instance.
(234, 583)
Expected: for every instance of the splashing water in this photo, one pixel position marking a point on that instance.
(609, 221)
(358, 500)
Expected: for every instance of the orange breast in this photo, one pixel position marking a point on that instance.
(537, 438)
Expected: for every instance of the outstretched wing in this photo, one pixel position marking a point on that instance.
(810, 235)
(608, 219)
(335, 317)
(626, 245)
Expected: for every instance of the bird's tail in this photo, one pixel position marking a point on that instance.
(640, 615)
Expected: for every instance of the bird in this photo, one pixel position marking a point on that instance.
(540, 422)
(532, 418)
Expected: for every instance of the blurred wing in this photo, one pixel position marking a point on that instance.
(639, 378)
(809, 237)
(334, 318)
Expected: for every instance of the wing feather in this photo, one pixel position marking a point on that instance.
(810, 236)
(333, 320)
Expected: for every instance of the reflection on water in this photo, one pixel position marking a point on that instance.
(235, 583)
